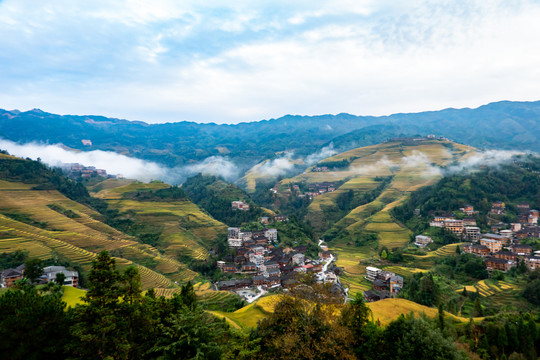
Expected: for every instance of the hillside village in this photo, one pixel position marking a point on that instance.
(261, 265)
(501, 249)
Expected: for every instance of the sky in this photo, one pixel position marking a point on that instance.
(235, 61)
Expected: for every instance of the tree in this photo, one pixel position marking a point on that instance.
(33, 326)
(33, 269)
(100, 330)
(478, 308)
(384, 254)
(187, 293)
(458, 250)
(355, 316)
(417, 338)
(532, 292)
(60, 278)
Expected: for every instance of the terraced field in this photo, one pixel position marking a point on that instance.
(383, 312)
(411, 167)
(248, 316)
(185, 229)
(491, 287)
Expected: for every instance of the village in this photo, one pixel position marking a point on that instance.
(311, 192)
(260, 266)
(501, 248)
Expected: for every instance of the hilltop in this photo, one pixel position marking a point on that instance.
(503, 125)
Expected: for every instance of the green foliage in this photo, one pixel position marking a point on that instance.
(60, 278)
(66, 212)
(25, 218)
(33, 326)
(532, 292)
(33, 269)
(417, 338)
(14, 259)
(336, 164)
(173, 193)
(423, 289)
(215, 196)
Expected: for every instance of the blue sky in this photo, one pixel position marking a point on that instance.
(232, 61)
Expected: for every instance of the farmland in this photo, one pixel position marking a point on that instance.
(410, 167)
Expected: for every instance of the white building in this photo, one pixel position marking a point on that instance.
(72, 277)
(271, 234)
(372, 272)
(422, 240)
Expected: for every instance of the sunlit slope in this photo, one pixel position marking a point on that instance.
(383, 311)
(185, 229)
(388, 172)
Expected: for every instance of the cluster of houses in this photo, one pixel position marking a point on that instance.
(503, 251)
(239, 205)
(314, 190)
(271, 267)
(500, 249)
(259, 263)
(265, 220)
(464, 228)
(75, 170)
(9, 277)
(385, 284)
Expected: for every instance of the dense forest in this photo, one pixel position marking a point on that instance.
(215, 196)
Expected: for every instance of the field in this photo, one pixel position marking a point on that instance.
(32, 225)
(411, 166)
(72, 296)
(248, 316)
(383, 311)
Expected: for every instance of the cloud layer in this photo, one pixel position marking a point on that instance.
(169, 60)
(114, 163)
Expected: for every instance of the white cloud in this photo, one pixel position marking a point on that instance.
(114, 163)
(168, 60)
(324, 153)
(275, 167)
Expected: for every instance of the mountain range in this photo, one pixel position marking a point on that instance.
(502, 125)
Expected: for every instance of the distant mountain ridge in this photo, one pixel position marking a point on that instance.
(505, 124)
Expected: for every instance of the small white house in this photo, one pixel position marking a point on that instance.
(422, 240)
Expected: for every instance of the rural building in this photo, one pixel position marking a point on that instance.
(372, 272)
(476, 249)
(422, 240)
(506, 255)
(8, 277)
(493, 263)
(532, 262)
(522, 249)
(455, 226)
(396, 284)
(239, 205)
(71, 277)
(472, 233)
(492, 244)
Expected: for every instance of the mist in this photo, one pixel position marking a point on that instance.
(324, 153)
(114, 163)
